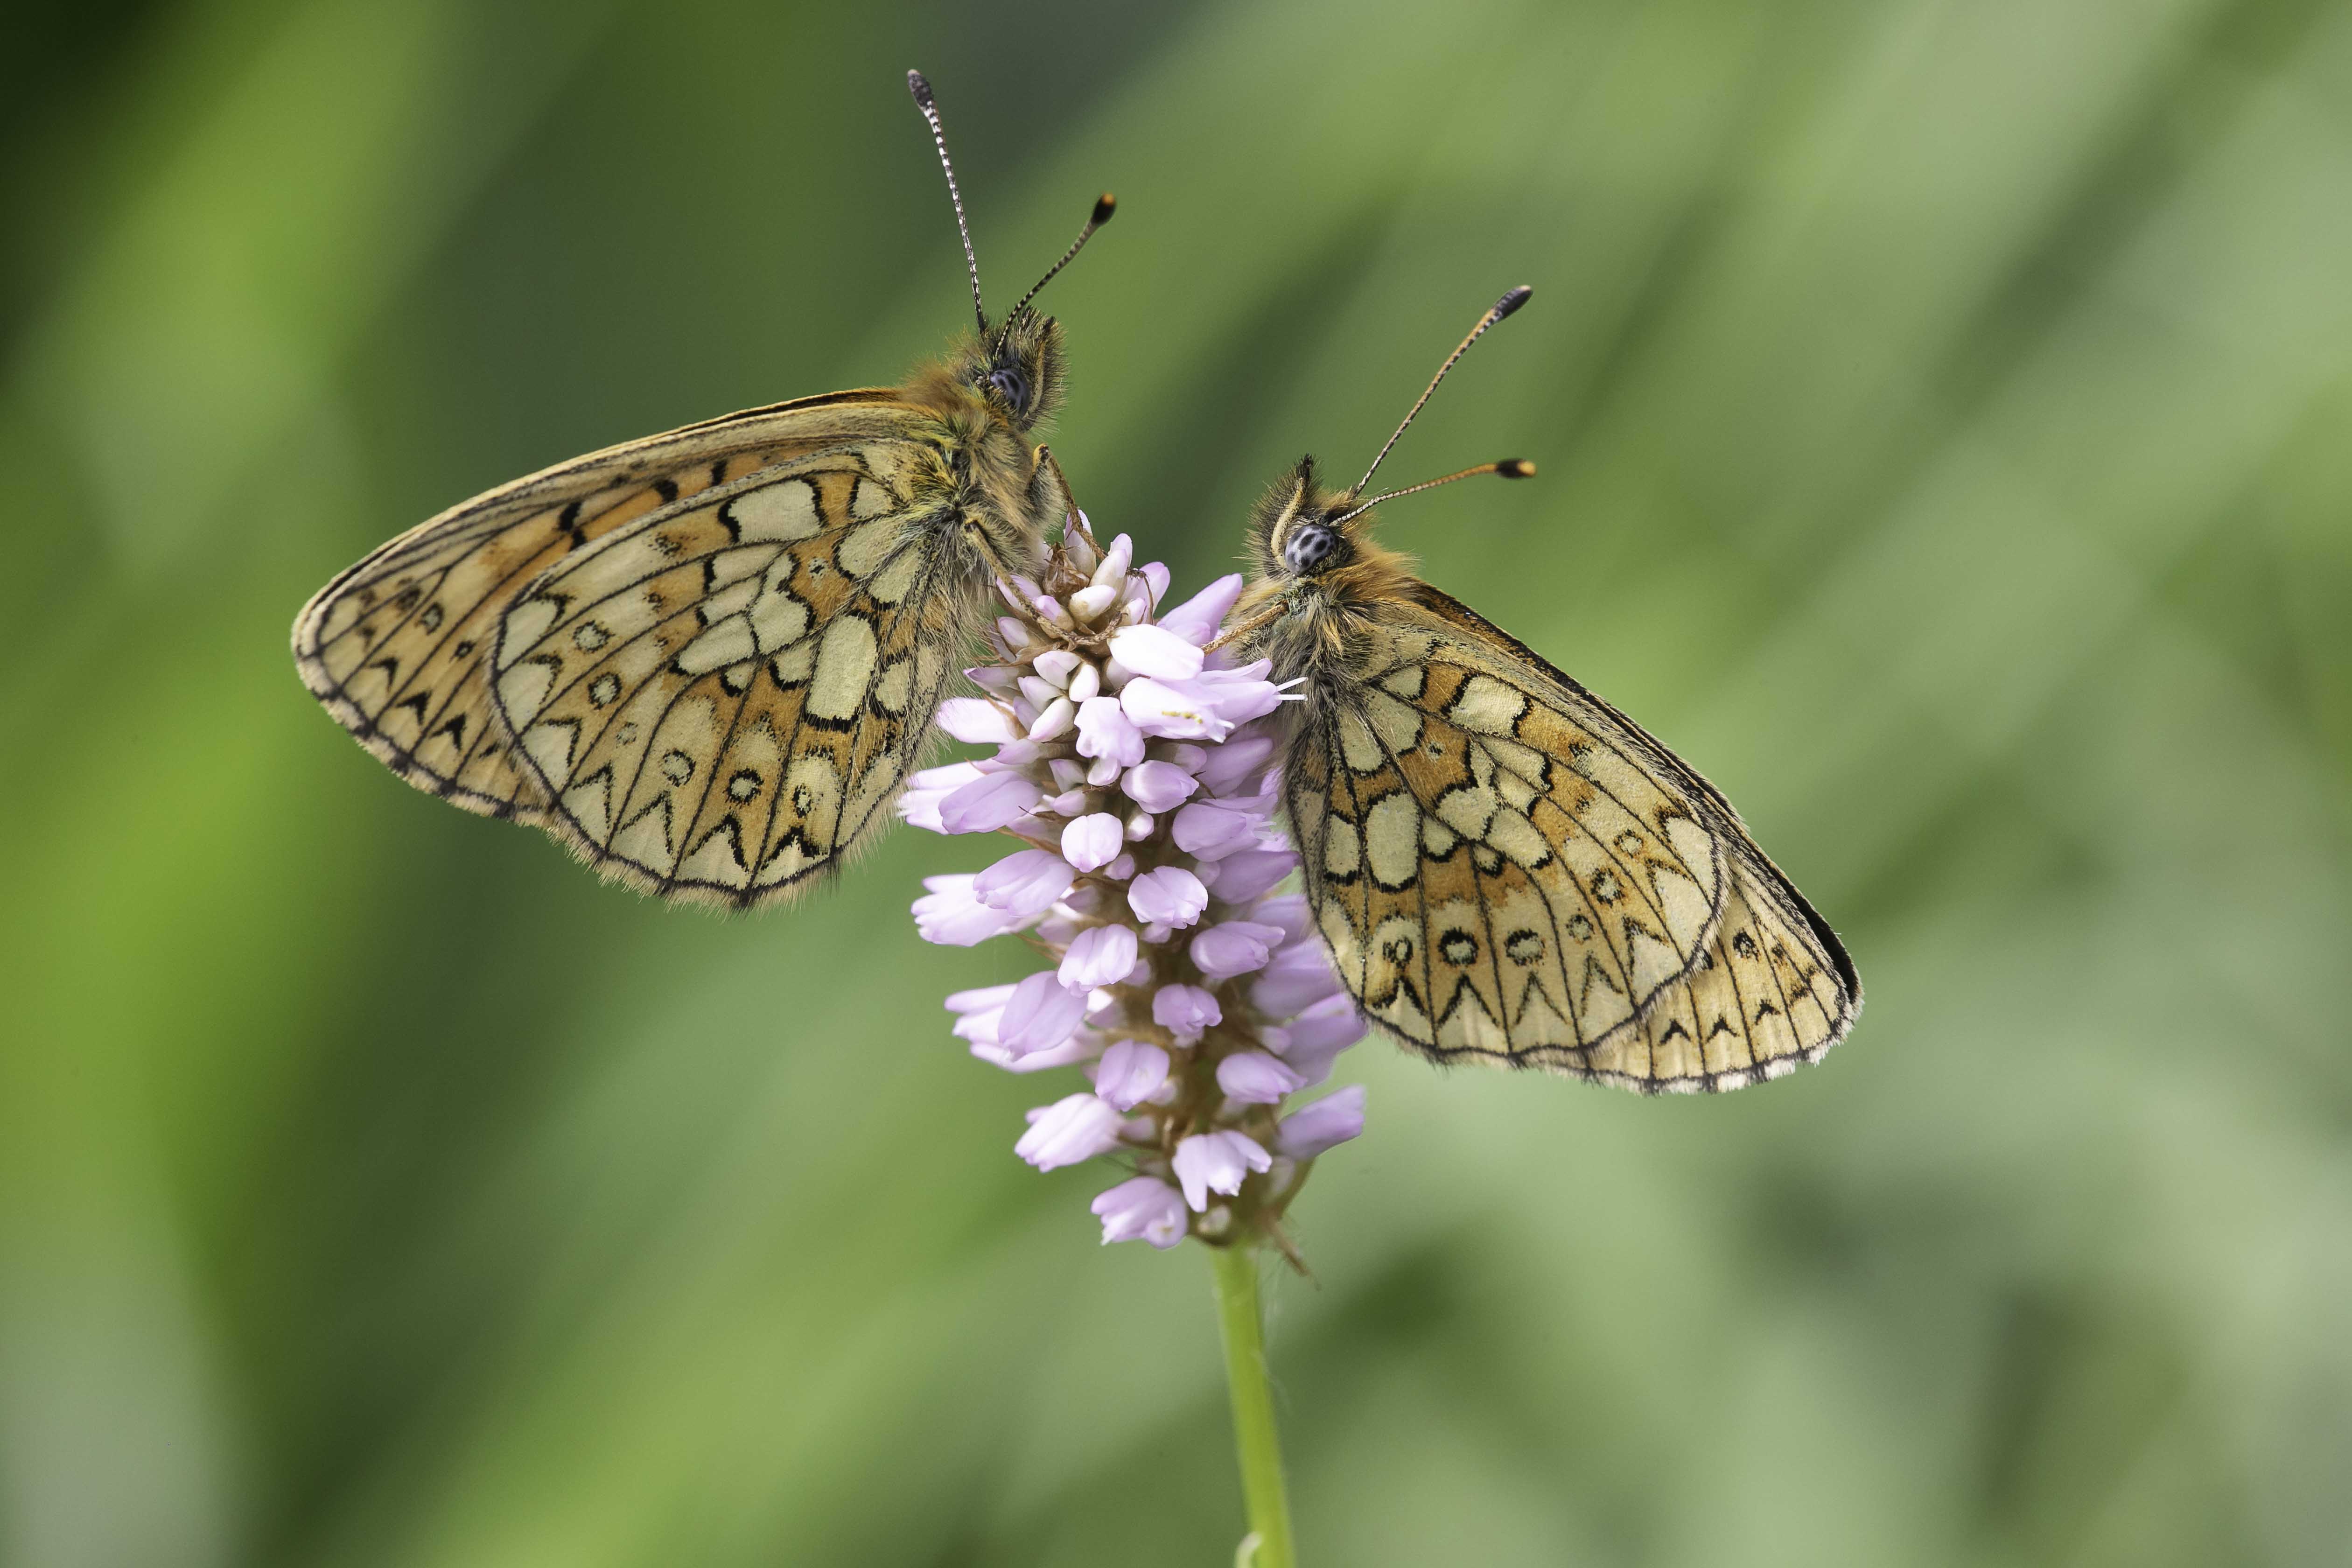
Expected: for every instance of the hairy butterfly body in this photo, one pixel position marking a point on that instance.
(707, 660)
(1505, 868)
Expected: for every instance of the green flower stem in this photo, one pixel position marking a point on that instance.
(1255, 1442)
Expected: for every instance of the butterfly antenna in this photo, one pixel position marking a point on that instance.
(1105, 205)
(1509, 468)
(1501, 308)
(931, 108)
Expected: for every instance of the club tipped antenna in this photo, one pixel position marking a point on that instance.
(1105, 205)
(931, 108)
(1500, 309)
(1509, 468)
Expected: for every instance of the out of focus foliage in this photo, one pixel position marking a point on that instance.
(1944, 413)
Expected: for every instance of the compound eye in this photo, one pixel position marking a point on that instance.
(1011, 385)
(1308, 546)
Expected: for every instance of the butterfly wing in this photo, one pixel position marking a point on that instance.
(719, 700)
(1507, 868)
(398, 648)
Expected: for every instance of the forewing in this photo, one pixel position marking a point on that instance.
(398, 648)
(1507, 868)
(719, 700)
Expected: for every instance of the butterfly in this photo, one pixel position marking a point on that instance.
(706, 661)
(1506, 868)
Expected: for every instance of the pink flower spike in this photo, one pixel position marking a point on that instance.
(950, 916)
(1186, 1012)
(1105, 731)
(1330, 1121)
(1217, 1163)
(1041, 1014)
(1068, 1132)
(1026, 882)
(1158, 786)
(1157, 652)
(1213, 829)
(971, 719)
(1142, 1209)
(1196, 620)
(1171, 894)
(1100, 955)
(1093, 841)
(1254, 1078)
(1130, 1073)
(1235, 947)
(988, 803)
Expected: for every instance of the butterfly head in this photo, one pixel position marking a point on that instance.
(1305, 532)
(1016, 368)
(1302, 529)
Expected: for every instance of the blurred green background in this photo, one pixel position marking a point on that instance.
(1944, 413)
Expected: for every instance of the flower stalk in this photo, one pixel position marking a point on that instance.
(1242, 1322)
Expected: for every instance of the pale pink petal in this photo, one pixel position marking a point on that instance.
(1041, 1014)
(949, 914)
(1331, 1120)
(1244, 875)
(1069, 1131)
(1217, 1163)
(1157, 652)
(980, 722)
(1254, 1078)
(1196, 620)
(1186, 1012)
(1100, 955)
(1130, 1073)
(1171, 894)
(988, 803)
(1211, 830)
(1158, 786)
(1142, 1209)
(1105, 731)
(1026, 882)
(1235, 947)
(1093, 841)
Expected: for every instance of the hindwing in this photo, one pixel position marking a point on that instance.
(398, 648)
(1507, 868)
(721, 699)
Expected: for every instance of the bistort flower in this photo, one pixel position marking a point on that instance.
(1136, 765)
